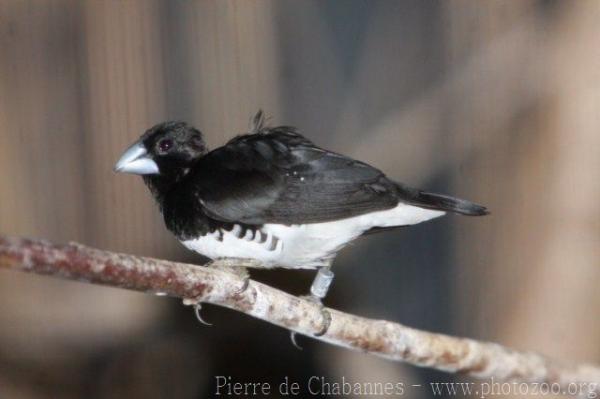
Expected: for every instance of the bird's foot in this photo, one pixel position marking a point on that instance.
(239, 271)
(326, 317)
(227, 265)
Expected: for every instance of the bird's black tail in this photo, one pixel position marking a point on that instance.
(440, 202)
(448, 203)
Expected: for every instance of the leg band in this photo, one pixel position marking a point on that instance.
(321, 283)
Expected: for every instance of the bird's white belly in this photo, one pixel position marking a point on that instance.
(302, 246)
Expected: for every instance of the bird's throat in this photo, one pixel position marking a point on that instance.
(160, 185)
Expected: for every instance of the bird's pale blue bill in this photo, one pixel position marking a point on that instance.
(136, 160)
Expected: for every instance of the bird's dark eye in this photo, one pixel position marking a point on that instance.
(165, 145)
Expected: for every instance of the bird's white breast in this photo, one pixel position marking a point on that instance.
(302, 246)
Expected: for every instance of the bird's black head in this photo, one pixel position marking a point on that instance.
(164, 154)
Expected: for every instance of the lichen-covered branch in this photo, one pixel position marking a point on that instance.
(383, 338)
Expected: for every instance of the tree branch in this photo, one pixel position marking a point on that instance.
(382, 338)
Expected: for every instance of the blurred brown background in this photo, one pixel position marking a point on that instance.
(495, 101)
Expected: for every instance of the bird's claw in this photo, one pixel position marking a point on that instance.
(326, 323)
(293, 335)
(241, 272)
(197, 310)
(245, 284)
(324, 314)
(324, 326)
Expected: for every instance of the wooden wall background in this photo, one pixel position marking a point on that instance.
(494, 101)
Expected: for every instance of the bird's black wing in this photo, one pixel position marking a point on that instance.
(281, 177)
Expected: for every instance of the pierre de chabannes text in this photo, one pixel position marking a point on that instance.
(226, 386)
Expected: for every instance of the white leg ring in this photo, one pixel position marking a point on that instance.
(322, 281)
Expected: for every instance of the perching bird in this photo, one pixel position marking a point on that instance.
(272, 195)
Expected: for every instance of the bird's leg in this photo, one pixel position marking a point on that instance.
(238, 267)
(321, 283)
(318, 291)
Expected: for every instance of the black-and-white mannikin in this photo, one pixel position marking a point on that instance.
(273, 196)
